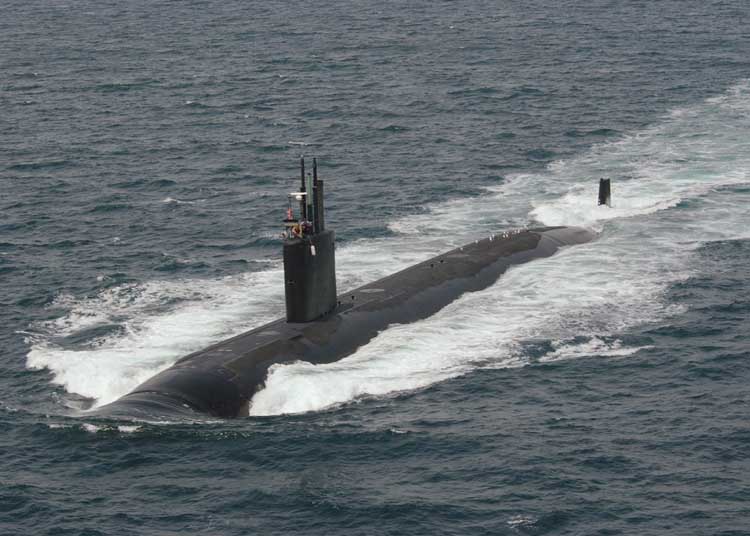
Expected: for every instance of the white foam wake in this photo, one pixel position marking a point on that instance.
(676, 185)
(158, 322)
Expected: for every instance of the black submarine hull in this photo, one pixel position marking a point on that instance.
(221, 380)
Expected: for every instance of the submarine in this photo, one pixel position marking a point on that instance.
(322, 326)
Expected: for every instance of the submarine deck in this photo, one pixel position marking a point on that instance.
(221, 379)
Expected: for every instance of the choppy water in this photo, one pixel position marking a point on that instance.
(146, 151)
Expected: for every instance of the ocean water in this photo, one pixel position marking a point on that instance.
(147, 148)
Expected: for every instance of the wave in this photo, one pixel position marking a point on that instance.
(676, 185)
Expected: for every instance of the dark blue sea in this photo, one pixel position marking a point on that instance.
(146, 150)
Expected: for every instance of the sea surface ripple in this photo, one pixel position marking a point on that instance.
(147, 148)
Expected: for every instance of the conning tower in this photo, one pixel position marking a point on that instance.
(309, 253)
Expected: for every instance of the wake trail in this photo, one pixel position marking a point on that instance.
(676, 185)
